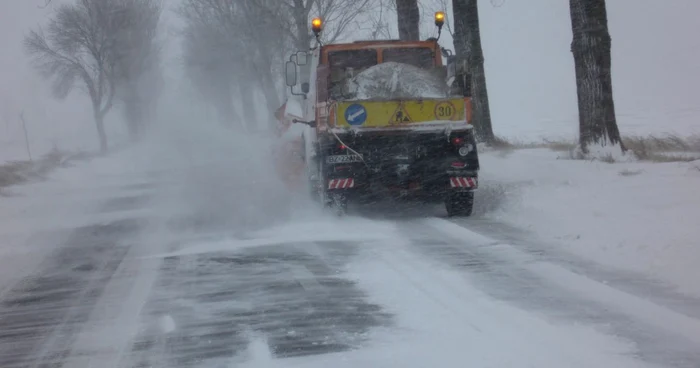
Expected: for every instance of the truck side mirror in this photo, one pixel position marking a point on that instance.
(302, 58)
(305, 87)
(445, 52)
(458, 73)
(290, 72)
(466, 85)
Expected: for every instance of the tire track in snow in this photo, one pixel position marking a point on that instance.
(533, 283)
(636, 284)
(106, 337)
(466, 308)
(41, 316)
(289, 294)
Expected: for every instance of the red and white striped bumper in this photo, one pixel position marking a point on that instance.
(341, 183)
(463, 182)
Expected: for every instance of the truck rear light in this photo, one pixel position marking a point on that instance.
(457, 141)
(464, 150)
(459, 165)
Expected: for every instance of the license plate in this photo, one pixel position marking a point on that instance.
(343, 159)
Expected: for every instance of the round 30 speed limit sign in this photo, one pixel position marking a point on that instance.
(445, 110)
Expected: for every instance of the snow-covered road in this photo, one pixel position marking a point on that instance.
(125, 275)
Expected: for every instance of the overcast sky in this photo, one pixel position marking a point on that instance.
(529, 67)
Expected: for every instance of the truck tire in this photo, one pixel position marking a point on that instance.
(314, 189)
(340, 205)
(337, 203)
(459, 204)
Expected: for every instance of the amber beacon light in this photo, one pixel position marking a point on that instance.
(316, 25)
(439, 18)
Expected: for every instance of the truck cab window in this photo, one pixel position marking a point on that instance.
(421, 57)
(355, 59)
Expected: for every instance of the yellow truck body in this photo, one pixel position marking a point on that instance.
(399, 113)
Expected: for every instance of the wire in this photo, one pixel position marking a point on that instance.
(350, 148)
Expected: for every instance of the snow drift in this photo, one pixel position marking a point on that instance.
(636, 216)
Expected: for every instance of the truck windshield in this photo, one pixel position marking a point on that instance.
(421, 57)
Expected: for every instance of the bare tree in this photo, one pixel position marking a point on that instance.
(293, 17)
(219, 52)
(340, 16)
(138, 72)
(408, 16)
(591, 48)
(376, 24)
(467, 40)
(244, 43)
(80, 45)
(210, 66)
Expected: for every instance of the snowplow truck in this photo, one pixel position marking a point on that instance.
(384, 119)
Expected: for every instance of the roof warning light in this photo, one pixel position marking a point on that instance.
(316, 25)
(439, 18)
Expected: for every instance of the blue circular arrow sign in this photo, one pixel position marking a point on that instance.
(355, 114)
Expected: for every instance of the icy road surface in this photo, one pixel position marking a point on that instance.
(110, 271)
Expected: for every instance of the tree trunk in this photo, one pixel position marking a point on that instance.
(467, 40)
(301, 19)
(135, 128)
(133, 113)
(226, 111)
(271, 97)
(101, 134)
(222, 99)
(591, 48)
(303, 37)
(409, 19)
(248, 103)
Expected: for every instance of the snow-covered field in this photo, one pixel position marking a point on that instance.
(35, 217)
(637, 216)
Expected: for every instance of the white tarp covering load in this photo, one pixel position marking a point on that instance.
(392, 80)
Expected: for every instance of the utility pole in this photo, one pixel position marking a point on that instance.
(26, 135)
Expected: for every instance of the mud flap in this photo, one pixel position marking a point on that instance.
(337, 202)
(459, 203)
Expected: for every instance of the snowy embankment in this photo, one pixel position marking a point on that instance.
(637, 216)
(21, 171)
(37, 215)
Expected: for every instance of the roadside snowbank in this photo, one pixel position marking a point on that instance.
(636, 216)
(36, 217)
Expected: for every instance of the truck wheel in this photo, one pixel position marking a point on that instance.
(335, 202)
(339, 204)
(459, 204)
(314, 190)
